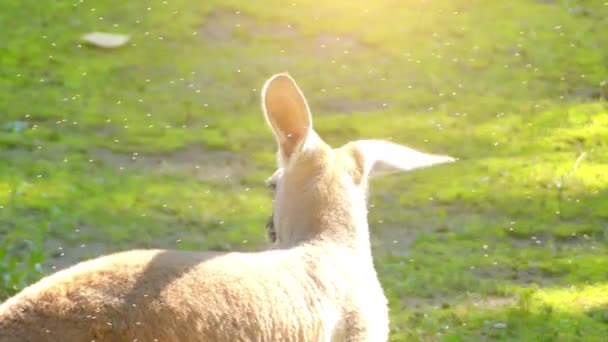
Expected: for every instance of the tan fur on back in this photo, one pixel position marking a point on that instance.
(175, 296)
(317, 284)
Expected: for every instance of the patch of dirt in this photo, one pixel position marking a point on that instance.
(345, 43)
(62, 255)
(198, 163)
(524, 276)
(327, 45)
(395, 234)
(195, 162)
(529, 240)
(585, 91)
(224, 26)
(471, 300)
(533, 275)
(228, 26)
(351, 106)
(47, 152)
(541, 239)
(393, 239)
(492, 302)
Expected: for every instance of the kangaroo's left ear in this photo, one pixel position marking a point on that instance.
(287, 113)
(379, 157)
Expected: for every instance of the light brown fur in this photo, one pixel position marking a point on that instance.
(317, 284)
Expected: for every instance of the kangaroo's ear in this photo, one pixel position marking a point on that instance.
(377, 157)
(287, 113)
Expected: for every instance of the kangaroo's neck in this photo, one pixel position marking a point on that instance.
(328, 216)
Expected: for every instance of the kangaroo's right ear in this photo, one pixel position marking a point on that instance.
(287, 113)
(377, 157)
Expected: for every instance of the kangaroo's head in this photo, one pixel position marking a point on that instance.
(319, 191)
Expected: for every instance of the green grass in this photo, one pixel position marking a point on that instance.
(510, 243)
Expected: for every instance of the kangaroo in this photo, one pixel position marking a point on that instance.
(316, 283)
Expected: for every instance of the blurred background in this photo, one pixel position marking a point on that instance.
(158, 140)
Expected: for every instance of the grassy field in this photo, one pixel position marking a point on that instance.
(161, 143)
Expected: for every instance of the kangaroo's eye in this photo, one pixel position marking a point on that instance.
(272, 186)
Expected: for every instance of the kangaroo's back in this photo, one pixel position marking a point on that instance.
(175, 296)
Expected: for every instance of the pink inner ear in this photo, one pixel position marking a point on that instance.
(287, 113)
